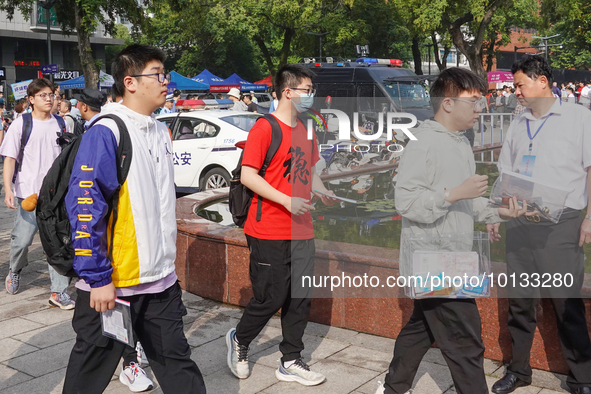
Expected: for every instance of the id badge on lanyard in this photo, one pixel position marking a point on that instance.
(527, 162)
(527, 165)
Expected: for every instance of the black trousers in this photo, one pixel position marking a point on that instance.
(455, 326)
(275, 267)
(129, 355)
(548, 249)
(158, 324)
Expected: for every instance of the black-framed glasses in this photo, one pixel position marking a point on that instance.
(45, 96)
(306, 90)
(161, 77)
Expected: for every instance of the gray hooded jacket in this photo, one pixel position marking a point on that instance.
(438, 160)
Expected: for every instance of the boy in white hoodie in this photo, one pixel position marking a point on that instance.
(136, 263)
(437, 191)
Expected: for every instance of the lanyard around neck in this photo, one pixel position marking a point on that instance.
(531, 139)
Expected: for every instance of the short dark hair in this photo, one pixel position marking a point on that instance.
(38, 85)
(291, 75)
(176, 93)
(452, 82)
(534, 66)
(68, 104)
(131, 61)
(93, 109)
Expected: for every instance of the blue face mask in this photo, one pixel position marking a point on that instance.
(306, 102)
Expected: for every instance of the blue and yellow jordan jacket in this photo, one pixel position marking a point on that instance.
(144, 243)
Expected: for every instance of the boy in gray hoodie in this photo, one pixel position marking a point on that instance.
(438, 192)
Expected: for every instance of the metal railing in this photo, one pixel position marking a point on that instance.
(492, 128)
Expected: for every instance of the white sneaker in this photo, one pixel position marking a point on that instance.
(135, 378)
(237, 356)
(299, 372)
(381, 389)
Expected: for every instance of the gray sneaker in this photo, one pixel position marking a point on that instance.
(62, 301)
(12, 282)
(237, 356)
(299, 372)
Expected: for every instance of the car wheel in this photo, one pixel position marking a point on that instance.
(215, 179)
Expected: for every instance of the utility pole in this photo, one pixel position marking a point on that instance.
(319, 35)
(48, 4)
(545, 44)
(429, 49)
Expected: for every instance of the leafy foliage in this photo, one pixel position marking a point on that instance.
(572, 20)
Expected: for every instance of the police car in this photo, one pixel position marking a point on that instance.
(204, 144)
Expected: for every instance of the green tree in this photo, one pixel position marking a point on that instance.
(523, 14)
(85, 16)
(272, 25)
(572, 20)
(468, 24)
(190, 34)
(377, 23)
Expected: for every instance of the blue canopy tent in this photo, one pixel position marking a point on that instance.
(75, 83)
(184, 83)
(208, 78)
(234, 79)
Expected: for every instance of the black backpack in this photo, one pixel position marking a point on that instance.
(240, 196)
(26, 134)
(78, 125)
(52, 217)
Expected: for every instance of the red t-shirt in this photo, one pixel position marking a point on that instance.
(290, 172)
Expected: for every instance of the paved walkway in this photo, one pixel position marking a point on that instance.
(35, 342)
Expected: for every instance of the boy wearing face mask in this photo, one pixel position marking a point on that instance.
(281, 240)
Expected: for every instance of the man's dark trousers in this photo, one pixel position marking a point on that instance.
(158, 324)
(546, 248)
(275, 267)
(455, 326)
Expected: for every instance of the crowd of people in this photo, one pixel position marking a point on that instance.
(241, 101)
(124, 227)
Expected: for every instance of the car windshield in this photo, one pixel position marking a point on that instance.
(408, 95)
(243, 122)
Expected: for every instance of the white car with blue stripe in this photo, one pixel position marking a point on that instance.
(204, 146)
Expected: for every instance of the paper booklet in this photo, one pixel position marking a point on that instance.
(349, 200)
(116, 323)
(548, 200)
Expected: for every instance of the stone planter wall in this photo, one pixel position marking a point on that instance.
(212, 262)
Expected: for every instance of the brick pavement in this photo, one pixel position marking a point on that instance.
(35, 341)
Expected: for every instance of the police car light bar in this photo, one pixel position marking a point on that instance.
(388, 62)
(190, 104)
(225, 103)
(211, 104)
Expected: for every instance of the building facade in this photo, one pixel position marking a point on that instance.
(24, 49)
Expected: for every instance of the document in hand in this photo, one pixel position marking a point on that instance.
(116, 323)
(454, 265)
(548, 200)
